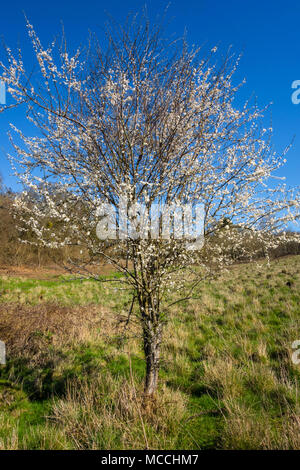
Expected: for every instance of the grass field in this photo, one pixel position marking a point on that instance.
(74, 378)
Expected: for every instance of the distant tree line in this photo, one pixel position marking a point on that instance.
(16, 247)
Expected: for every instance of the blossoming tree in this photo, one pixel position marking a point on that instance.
(154, 123)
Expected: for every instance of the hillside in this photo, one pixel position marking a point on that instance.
(74, 375)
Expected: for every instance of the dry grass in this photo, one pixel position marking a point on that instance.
(27, 329)
(109, 413)
(245, 429)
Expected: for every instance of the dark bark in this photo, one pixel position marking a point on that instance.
(152, 339)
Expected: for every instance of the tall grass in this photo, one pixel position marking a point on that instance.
(74, 378)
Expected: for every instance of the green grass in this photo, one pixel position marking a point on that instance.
(227, 379)
(64, 290)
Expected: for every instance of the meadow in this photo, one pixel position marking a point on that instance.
(74, 372)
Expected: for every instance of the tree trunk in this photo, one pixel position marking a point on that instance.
(152, 339)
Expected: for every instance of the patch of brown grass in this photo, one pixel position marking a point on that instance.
(26, 329)
(48, 272)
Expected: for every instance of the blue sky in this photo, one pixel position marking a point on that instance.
(265, 32)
